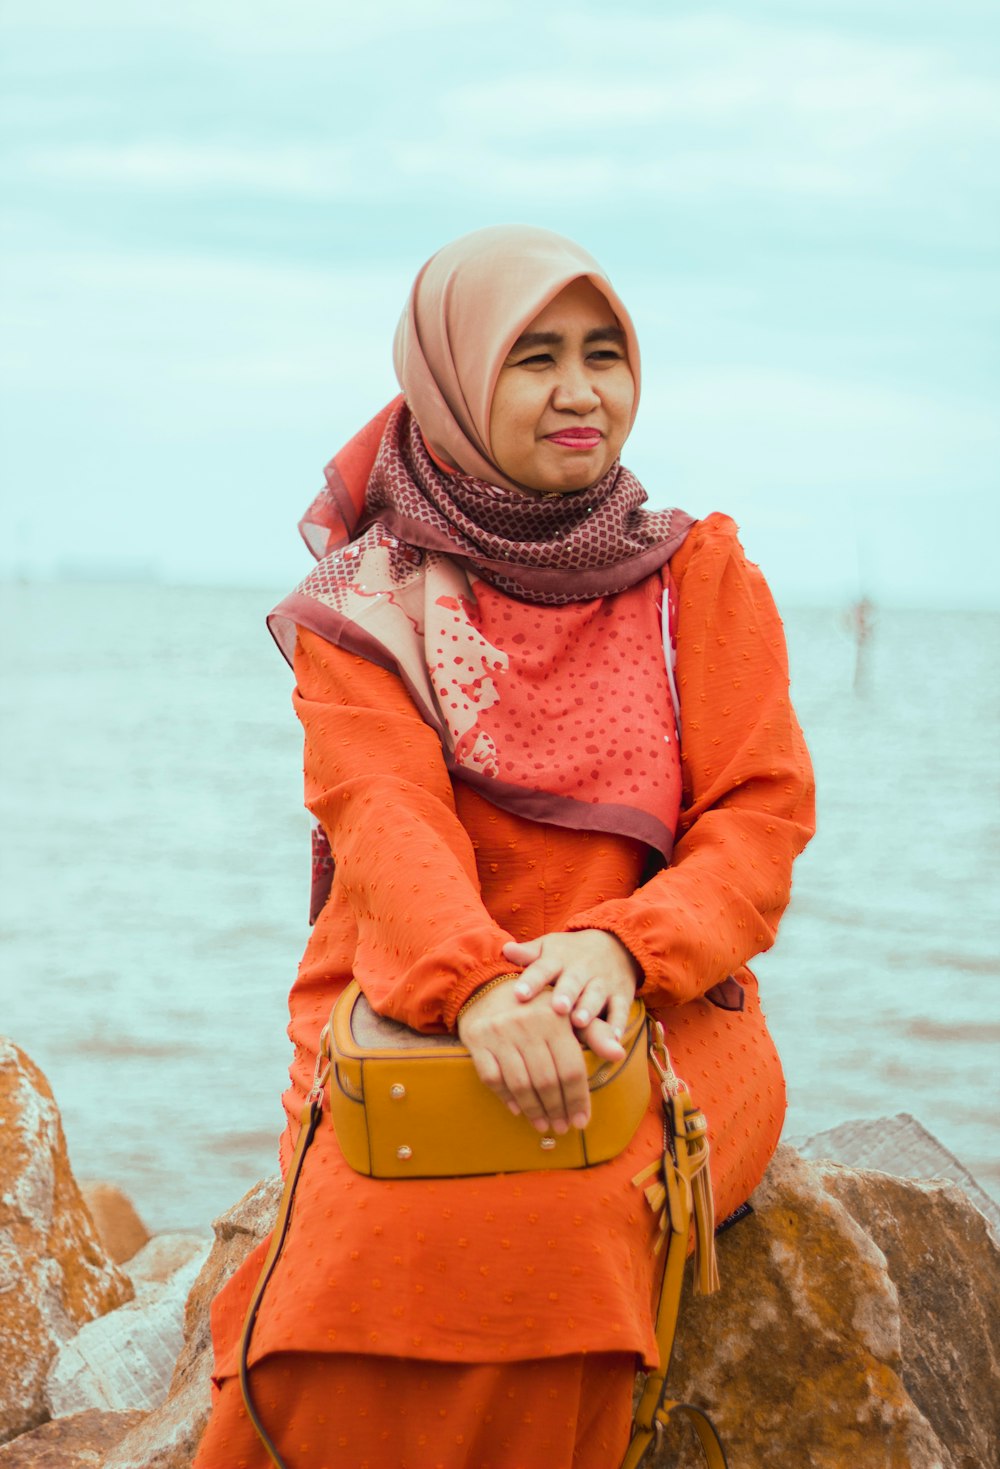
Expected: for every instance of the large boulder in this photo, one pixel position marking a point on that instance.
(124, 1361)
(168, 1437)
(54, 1273)
(119, 1228)
(81, 1441)
(858, 1324)
(945, 1266)
(900, 1146)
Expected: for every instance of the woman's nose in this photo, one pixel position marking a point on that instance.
(574, 391)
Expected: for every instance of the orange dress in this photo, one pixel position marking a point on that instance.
(431, 880)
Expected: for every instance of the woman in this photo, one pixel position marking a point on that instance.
(484, 661)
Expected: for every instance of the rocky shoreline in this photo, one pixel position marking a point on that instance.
(858, 1325)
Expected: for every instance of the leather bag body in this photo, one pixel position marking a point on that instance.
(408, 1105)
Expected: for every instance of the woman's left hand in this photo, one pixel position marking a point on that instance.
(593, 978)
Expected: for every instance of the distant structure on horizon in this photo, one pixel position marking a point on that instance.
(859, 619)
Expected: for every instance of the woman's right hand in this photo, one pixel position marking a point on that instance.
(530, 1056)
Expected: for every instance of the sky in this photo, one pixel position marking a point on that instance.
(213, 212)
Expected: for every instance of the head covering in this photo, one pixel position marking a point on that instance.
(468, 306)
(513, 620)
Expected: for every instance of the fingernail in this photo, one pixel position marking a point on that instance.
(580, 1120)
(523, 990)
(582, 1017)
(514, 1108)
(618, 1033)
(560, 1127)
(561, 1004)
(541, 1124)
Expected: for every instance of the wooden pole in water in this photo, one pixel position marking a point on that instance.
(862, 625)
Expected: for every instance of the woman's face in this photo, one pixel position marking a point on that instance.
(563, 401)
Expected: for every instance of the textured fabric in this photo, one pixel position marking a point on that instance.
(537, 547)
(521, 697)
(336, 1412)
(525, 699)
(554, 549)
(431, 880)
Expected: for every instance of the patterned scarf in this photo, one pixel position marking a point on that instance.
(514, 624)
(548, 550)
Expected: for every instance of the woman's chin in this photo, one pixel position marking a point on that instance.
(569, 480)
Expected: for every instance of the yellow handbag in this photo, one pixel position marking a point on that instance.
(409, 1105)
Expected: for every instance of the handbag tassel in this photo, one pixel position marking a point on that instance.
(679, 1193)
(706, 1269)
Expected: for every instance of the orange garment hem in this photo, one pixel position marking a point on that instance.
(347, 1412)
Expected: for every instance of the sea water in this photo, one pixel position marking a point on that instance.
(155, 872)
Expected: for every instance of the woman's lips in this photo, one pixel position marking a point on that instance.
(576, 438)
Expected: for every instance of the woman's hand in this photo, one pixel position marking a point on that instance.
(530, 1056)
(593, 978)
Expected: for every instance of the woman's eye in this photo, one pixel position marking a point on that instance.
(536, 359)
(606, 354)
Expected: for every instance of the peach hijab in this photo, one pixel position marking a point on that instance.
(468, 306)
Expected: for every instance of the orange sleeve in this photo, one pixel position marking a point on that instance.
(375, 777)
(748, 802)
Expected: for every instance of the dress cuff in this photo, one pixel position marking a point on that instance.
(470, 982)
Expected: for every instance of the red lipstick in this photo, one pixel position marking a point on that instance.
(576, 438)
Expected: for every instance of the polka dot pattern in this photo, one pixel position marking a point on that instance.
(567, 713)
(339, 1412)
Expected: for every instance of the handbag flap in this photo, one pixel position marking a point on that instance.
(373, 1032)
(359, 1030)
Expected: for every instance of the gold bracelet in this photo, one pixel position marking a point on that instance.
(484, 989)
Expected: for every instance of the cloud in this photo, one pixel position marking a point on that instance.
(649, 105)
(202, 166)
(757, 428)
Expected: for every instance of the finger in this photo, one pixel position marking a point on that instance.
(489, 1073)
(520, 1085)
(567, 990)
(568, 1060)
(590, 1003)
(617, 1015)
(536, 977)
(599, 1036)
(547, 1083)
(522, 954)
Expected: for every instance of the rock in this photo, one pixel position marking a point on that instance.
(858, 1325)
(119, 1227)
(946, 1269)
(826, 1349)
(125, 1361)
(169, 1436)
(167, 1439)
(902, 1147)
(164, 1255)
(54, 1272)
(69, 1443)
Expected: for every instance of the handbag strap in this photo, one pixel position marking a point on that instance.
(683, 1189)
(685, 1158)
(309, 1122)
